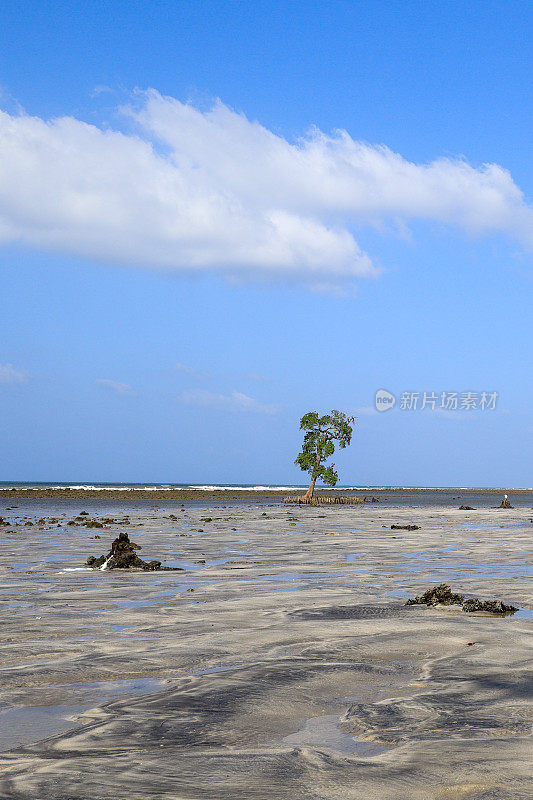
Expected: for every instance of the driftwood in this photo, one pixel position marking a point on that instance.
(324, 500)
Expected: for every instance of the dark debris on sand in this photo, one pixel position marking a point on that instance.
(442, 595)
(123, 556)
(405, 527)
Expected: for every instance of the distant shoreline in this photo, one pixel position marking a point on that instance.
(224, 493)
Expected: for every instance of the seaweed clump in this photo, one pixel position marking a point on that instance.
(442, 595)
(123, 556)
(492, 606)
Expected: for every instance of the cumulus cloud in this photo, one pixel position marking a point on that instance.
(198, 190)
(10, 375)
(236, 401)
(116, 386)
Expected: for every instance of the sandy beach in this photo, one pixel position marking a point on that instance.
(281, 662)
(266, 488)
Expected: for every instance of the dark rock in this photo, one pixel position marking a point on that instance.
(93, 523)
(439, 595)
(466, 508)
(95, 562)
(153, 565)
(405, 527)
(123, 556)
(491, 606)
(443, 595)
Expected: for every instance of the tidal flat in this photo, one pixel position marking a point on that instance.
(281, 662)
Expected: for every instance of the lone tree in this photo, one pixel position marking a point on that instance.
(321, 433)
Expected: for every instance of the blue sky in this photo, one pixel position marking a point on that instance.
(192, 255)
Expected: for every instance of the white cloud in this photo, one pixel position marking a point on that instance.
(200, 375)
(447, 413)
(117, 386)
(236, 401)
(191, 372)
(257, 377)
(8, 374)
(364, 411)
(211, 190)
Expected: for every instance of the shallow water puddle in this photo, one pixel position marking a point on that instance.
(27, 724)
(188, 565)
(398, 593)
(456, 569)
(102, 691)
(21, 726)
(325, 733)
(14, 605)
(523, 613)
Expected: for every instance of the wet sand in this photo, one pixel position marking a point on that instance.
(281, 662)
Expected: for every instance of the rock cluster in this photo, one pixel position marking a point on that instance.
(84, 520)
(123, 556)
(442, 595)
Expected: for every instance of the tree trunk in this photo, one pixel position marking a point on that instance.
(309, 493)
